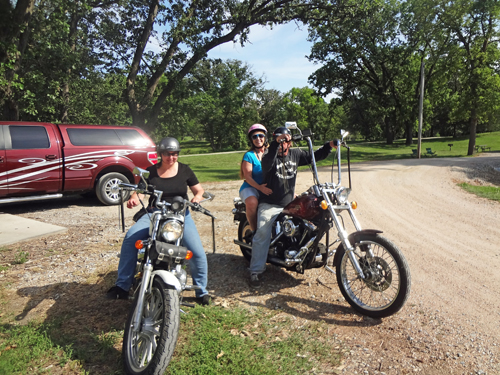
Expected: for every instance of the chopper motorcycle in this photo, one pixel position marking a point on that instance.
(372, 273)
(152, 327)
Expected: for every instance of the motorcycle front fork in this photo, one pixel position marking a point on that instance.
(148, 269)
(343, 235)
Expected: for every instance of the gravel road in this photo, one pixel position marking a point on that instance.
(450, 324)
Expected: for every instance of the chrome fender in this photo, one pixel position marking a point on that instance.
(352, 239)
(168, 278)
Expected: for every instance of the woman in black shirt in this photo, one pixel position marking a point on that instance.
(173, 178)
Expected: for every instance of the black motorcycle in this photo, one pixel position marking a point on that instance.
(372, 273)
(153, 324)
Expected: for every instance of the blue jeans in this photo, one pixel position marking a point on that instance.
(140, 231)
(266, 215)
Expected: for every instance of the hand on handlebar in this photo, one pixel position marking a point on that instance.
(284, 138)
(196, 199)
(334, 143)
(133, 201)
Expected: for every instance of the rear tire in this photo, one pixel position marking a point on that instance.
(149, 350)
(245, 230)
(387, 287)
(107, 190)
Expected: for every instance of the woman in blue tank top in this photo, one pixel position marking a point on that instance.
(251, 172)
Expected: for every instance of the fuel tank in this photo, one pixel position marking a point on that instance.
(304, 206)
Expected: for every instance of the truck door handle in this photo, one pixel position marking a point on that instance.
(1, 159)
(50, 157)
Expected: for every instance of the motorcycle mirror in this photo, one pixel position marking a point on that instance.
(140, 172)
(208, 196)
(291, 125)
(343, 133)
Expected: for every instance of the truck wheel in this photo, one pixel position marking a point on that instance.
(107, 190)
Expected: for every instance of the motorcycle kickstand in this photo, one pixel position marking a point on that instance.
(330, 270)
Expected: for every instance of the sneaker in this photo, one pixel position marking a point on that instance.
(115, 292)
(255, 281)
(204, 300)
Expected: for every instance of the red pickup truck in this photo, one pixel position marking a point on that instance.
(44, 160)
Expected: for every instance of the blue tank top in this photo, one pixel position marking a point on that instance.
(251, 158)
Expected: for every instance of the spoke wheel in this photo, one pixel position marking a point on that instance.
(386, 285)
(149, 349)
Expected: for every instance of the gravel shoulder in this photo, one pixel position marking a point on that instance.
(450, 238)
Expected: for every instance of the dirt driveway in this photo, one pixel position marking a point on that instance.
(450, 324)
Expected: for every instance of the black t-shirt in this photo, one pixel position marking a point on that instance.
(172, 186)
(280, 173)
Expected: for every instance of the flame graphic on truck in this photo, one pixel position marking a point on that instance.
(36, 167)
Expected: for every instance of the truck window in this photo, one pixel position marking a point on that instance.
(93, 137)
(29, 137)
(105, 137)
(131, 137)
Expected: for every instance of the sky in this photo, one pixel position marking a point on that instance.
(278, 54)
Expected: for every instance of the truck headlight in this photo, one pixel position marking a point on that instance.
(171, 230)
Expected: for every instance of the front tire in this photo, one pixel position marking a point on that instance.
(107, 190)
(149, 350)
(244, 235)
(387, 285)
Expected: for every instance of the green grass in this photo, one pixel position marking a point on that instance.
(27, 349)
(190, 146)
(489, 192)
(212, 340)
(225, 167)
(217, 167)
(241, 341)
(21, 257)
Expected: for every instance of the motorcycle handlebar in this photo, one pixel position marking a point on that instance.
(128, 187)
(197, 207)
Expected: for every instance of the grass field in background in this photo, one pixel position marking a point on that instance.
(225, 166)
(489, 192)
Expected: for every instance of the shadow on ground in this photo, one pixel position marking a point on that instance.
(81, 318)
(83, 200)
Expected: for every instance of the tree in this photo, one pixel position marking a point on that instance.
(364, 53)
(54, 50)
(14, 36)
(185, 30)
(308, 109)
(216, 100)
(474, 29)
(271, 108)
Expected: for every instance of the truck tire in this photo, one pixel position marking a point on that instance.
(107, 190)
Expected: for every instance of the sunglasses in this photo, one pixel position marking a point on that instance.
(167, 154)
(260, 135)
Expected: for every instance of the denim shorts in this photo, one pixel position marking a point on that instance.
(249, 192)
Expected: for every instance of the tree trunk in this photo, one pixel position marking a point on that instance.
(389, 134)
(472, 132)
(75, 17)
(409, 133)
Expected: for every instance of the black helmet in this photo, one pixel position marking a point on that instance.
(279, 131)
(168, 144)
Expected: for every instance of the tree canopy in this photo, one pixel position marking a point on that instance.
(144, 62)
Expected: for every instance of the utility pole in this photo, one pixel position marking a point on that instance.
(421, 107)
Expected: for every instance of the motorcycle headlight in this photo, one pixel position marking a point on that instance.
(342, 194)
(171, 230)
